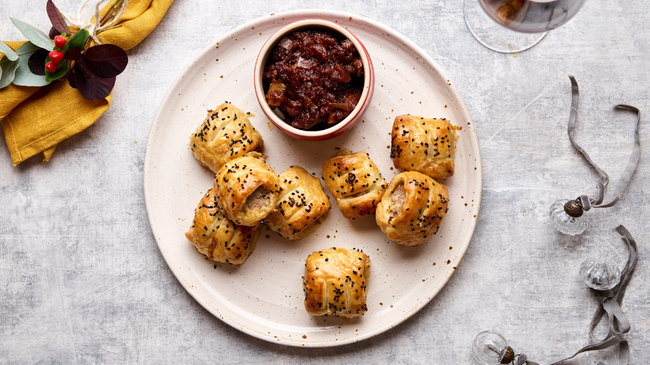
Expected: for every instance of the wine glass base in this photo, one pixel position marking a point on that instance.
(493, 35)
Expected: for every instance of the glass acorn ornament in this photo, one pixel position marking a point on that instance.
(568, 217)
(490, 348)
(601, 275)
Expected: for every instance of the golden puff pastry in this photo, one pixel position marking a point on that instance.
(217, 237)
(412, 208)
(355, 182)
(246, 189)
(426, 145)
(226, 133)
(302, 204)
(336, 282)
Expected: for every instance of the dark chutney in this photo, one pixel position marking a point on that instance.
(314, 78)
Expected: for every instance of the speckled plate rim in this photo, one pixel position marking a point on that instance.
(159, 118)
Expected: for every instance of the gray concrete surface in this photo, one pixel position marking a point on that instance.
(82, 280)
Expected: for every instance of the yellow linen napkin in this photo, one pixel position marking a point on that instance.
(36, 119)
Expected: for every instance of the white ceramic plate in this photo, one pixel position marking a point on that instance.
(263, 297)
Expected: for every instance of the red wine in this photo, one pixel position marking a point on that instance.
(531, 16)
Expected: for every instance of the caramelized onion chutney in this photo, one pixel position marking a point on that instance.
(314, 78)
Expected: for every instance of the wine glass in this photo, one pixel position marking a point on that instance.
(491, 21)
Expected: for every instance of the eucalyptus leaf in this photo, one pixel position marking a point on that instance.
(27, 47)
(10, 53)
(8, 71)
(25, 77)
(78, 39)
(34, 35)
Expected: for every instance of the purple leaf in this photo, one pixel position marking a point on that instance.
(53, 33)
(71, 77)
(36, 62)
(56, 18)
(106, 60)
(72, 54)
(91, 86)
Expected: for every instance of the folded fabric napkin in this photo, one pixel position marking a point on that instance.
(36, 119)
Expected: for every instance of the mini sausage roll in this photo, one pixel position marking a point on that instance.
(246, 189)
(426, 145)
(412, 208)
(302, 204)
(336, 283)
(217, 237)
(226, 133)
(355, 182)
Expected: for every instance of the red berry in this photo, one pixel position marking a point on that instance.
(50, 67)
(56, 56)
(59, 41)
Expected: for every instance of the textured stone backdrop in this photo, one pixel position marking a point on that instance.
(82, 280)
